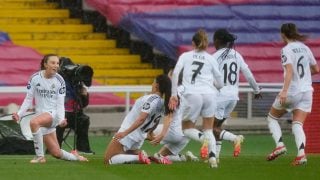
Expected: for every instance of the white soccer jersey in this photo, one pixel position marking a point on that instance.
(200, 70)
(151, 104)
(301, 57)
(48, 94)
(230, 68)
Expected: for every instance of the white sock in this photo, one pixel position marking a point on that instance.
(38, 143)
(226, 135)
(275, 130)
(299, 136)
(218, 146)
(176, 158)
(212, 142)
(68, 156)
(194, 134)
(123, 158)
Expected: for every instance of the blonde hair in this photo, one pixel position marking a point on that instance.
(200, 39)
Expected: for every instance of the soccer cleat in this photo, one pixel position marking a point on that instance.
(79, 157)
(164, 160)
(213, 162)
(300, 160)
(143, 157)
(237, 145)
(38, 159)
(89, 152)
(159, 159)
(276, 153)
(190, 157)
(204, 152)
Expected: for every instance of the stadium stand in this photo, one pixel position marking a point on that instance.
(168, 25)
(40, 25)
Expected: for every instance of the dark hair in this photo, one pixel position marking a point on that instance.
(291, 32)
(223, 39)
(165, 89)
(200, 39)
(45, 60)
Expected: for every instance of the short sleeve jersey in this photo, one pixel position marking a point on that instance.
(300, 57)
(230, 67)
(199, 72)
(151, 104)
(45, 91)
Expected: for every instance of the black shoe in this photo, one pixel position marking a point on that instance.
(89, 152)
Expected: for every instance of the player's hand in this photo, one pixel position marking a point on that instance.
(119, 135)
(258, 96)
(150, 136)
(173, 103)
(15, 117)
(283, 97)
(63, 123)
(157, 140)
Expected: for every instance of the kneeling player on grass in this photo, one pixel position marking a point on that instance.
(173, 140)
(47, 87)
(144, 116)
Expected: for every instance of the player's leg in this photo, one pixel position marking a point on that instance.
(41, 120)
(302, 109)
(190, 111)
(50, 139)
(217, 131)
(125, 151)
(275, 113)
(207, 112)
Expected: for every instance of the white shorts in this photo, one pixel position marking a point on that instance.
(130, 144)
(225, 108)
(174, 140)
(302, 101)
(196, 105)
(44, 130)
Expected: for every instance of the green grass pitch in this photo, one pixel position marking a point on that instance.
(251, 164)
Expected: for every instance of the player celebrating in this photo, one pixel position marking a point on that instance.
(200, 71)
(47, 87)
(143, 117)
(296, 94)
(230, 64)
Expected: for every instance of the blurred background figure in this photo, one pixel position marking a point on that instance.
(77, 78)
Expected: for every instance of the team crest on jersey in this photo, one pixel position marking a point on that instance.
(283, 58)
(53, 86)
(146, 106)
(62, 90)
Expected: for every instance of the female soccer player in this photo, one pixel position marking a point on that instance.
(230, 64)
(200, 70)
(47, 87)
(143, 117)
(299, 64)
(173, 139)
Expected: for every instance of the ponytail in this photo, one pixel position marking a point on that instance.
(165, 89)
(200, 40)
(291, 32)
